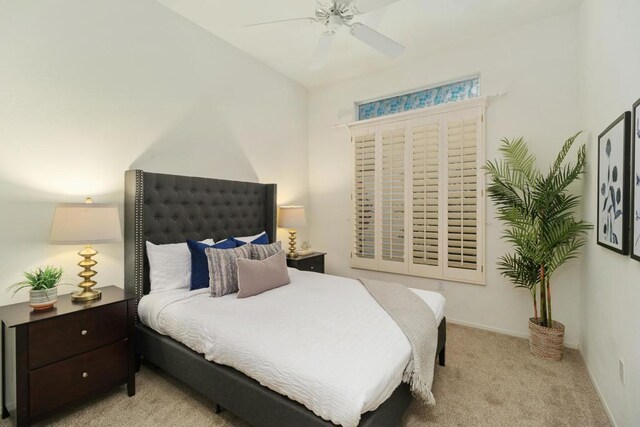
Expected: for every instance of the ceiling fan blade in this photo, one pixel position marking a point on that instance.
(376, 40)
(321, 54)
(364, 6)
(286, 22)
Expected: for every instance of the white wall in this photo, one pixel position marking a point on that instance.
(537, 66)
(91, 89)
(610, 303)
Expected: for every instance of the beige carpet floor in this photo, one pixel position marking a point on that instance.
(490, 380)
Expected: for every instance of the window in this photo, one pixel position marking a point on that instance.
(418, 198)
(451, 92)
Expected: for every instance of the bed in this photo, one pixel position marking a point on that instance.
(169, 209)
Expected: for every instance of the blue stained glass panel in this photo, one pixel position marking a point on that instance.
(451, 92)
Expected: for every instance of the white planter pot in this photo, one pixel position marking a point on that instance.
(43, 299)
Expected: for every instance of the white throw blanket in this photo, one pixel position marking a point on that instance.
(418, 323)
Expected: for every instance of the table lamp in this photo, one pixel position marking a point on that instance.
(85, 224)
(291, 217)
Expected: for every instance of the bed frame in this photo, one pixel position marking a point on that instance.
(170, 209)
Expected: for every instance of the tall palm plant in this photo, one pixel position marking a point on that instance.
(538, 210)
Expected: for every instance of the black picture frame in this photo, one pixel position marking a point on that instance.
(613, 202)
(634, 242)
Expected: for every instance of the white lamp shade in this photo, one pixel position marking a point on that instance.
(85, 223)
(291, 217)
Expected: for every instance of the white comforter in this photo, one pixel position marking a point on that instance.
(322, 340)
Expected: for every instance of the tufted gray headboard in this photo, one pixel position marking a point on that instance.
(172, 208)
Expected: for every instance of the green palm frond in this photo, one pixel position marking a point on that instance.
(520, 160)
(562, 242)
(521, 270)
(502, 182)
(564, 151)
(562, 206)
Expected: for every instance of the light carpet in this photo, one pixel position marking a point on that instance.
(490, 380)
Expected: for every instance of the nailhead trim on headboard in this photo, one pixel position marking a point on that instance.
(139, 238)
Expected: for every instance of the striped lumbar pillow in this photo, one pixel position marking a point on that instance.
(223, 271)
(261, 252)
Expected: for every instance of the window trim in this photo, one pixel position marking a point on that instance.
(360, 128)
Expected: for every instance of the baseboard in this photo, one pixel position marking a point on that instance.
(595, 385)
(501, 331)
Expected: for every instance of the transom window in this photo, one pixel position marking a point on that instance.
(451, 92)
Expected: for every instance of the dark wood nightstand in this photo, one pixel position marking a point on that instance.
(312, 262)
(64, 355)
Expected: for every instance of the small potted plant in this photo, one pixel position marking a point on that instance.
(539, 213)
(42, 283)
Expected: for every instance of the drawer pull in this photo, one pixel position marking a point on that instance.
(312, 268)
(84, 332)
(85, 375)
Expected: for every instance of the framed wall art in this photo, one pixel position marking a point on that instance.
(613, 185)
(635, 183)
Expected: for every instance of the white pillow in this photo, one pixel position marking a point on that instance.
(249, 239)
(170, 266)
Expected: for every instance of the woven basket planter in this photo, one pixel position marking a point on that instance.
(546, 343)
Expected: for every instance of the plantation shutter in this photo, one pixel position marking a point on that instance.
(462, 195)
(364, 196)
(418, 204)
(425, 197)
(392, 196)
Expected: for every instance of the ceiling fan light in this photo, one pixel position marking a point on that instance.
(334, 23)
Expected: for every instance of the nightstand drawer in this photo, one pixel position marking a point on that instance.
(311, 262)
(69, 380)
(69, 335)
(314, 264)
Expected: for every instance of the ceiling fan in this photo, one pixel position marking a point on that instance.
(333, 15)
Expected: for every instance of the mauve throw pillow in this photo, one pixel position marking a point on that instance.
(261, 252)
(223, 271)
(256, 277)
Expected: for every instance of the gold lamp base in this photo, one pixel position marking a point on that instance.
(292, 244)
(86, 293)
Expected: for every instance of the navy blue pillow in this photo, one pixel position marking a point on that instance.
(262, 239)
(199, 263)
